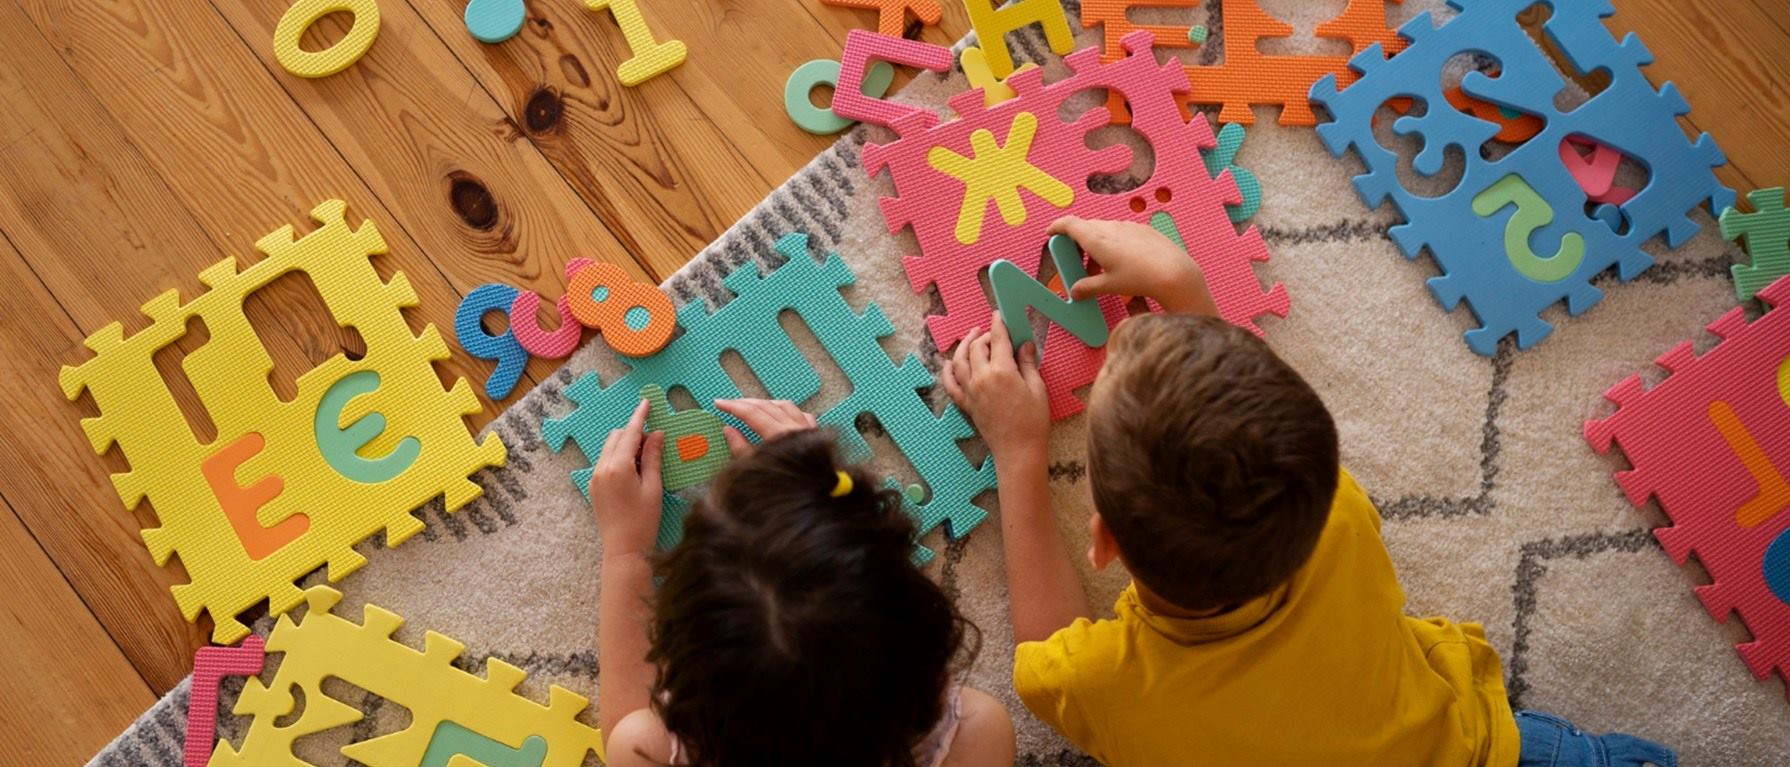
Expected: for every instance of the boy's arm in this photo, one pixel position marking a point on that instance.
(627, 502)
(1136, 260)
(1006, 398)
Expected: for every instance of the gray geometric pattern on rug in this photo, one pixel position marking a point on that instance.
(1495, 510)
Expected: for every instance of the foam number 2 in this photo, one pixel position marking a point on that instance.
(635, 318)
(1532, 213)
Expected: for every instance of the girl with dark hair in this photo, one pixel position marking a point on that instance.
(790, 627)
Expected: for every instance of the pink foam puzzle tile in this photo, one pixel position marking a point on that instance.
(861, 49)
(1712, 444)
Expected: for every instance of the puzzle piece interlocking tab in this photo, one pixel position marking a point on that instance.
(268, 501)
(748, 324)
(1712, 443)
(930, 198)
(1247, 76)
(1530, 197)
(444, 702)
(1767, 234)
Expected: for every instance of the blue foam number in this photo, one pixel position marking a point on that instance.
(511, 358)
(749, 325)
(1015, 292)
(341, 446)
(494, 21)
(1629, 115)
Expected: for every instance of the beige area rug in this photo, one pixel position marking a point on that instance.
(1496, 510)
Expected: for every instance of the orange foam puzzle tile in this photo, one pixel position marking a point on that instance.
(891, 15)
(456, 716)
(287, 485)
(1249, 77)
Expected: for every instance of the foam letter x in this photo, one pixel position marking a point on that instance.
(998, 173)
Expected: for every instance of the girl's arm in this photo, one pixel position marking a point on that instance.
(627, 501)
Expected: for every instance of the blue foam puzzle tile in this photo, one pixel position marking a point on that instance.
(748, 324)
(1500, 287)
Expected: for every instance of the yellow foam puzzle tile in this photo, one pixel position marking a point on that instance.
(453, 713)
(285, 486)
(342, 55)
(648, 58)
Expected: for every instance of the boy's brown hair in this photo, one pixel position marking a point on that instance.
(1212, 462)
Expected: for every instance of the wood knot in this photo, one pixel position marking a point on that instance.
(471, 201)
(543, 110)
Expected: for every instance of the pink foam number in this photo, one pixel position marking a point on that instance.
(211, 665)
(863, 47)
(551, 345)
(1712, 444)
(927, 199)
(1595, 173)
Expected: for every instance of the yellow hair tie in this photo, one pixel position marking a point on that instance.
(843, 487)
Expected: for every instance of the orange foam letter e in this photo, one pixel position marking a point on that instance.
(242, 504)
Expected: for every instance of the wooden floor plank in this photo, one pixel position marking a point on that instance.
(1727, 60)
(666, 178)
(245, 159)
(70, 690)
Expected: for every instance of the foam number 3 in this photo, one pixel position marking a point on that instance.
(511, 358)
(341, 445)
(635, 318)
(1532, 213)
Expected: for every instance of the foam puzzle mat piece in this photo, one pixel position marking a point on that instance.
(210, 666)
(749, 325)
(494, 21)
(648, 58)
(1180, 186)
(230, 372)
(342, 55)
(1767, 234)
(1015, 292)
(427, 683)
(862, 48)
(798, 90)
(1712, 444)
(891, 15)
(1247, 77)
(1630, 115)
(502, 348)
(635, 318)
(695, 448)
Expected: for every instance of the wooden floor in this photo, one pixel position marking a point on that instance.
(142, 140)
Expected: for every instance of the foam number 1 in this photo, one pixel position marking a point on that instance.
(503, 347)
(635, 318)
(649, 58)
(1015, 292)
(1532, 213)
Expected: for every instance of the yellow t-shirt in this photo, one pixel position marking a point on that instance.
(1325, 670)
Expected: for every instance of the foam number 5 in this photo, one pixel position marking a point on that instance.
(1532, 213)
(635, 318)
(341, 445)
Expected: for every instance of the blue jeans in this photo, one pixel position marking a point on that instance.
(1549, 741)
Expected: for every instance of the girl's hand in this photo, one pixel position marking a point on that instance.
(771, 418)
(1136, 260)
(626, 490)
(1004, 395)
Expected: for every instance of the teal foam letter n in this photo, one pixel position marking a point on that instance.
(1015, 292)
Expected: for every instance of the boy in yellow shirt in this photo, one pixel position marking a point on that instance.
(1264, 623)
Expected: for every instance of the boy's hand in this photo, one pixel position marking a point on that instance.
(771, 418)
(1136, 260)
(626, 490)
(1005, 396)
